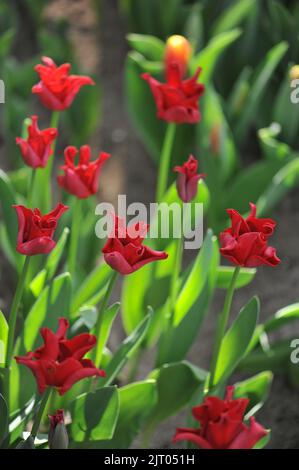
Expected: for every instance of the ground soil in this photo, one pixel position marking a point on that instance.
(132, 172)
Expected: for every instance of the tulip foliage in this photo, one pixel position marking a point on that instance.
(61, 384)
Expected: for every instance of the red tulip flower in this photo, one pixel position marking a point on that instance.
(57, 88)
(222, 425)
(177, 99)
(187, 180)
(36, 149)
(245, 243)
(81, 180)
(59, 362)
(178, 50)
(35, 235)
(124, 251)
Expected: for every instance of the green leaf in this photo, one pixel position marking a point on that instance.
(3, 338)
(258, 89)
(92, 288)
(94, 415)
(3, 418)
(127, 349)
(225, 274)
(236, 340)
(282, 317)
(272, 148)
(233, 16)
(8, 198)
(256, 389)
(136, 402)
(276, 358)
(53, 303)
(176, 385)
(207, 58)
(264, 441)
(150, 47)
(106, 325)
(283, 182)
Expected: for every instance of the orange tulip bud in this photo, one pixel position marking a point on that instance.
(178, 50)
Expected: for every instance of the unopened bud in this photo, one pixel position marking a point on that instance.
(58, 437)
(178, 50)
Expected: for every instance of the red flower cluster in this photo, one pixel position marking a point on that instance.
(82, 179)
(36, 149)
(57, 88)
(187, 180)
(35, 235)
(59, 362)
(245, 243)
(221, 425)
(176, 100)
(124, 251)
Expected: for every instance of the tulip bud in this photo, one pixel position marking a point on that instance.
(178, 50)
(26, 444)
(58, 437)
(187, 180)
(294, 72)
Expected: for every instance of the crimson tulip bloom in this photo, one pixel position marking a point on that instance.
(57, 88)
(36, 149)
(177, 99)
(124, 251)
(187, 180)
(221, 425)
(81, 180)
(59, 362)
(245, 243)
(35, 235)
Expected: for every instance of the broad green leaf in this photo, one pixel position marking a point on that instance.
(8, 198)
(92, 287)
(126, 350)
(233, 16)
(94, 415)
(207, 58)
(106, 325)
(192, 305)
(236, 340)
(282, 317)
(176, 385)
(225, 274)
(256, 389)
(150, 47)
(3, 418)
(258, 89)
(53, 302)
(283, 182)
(136, 401)
(3, 338)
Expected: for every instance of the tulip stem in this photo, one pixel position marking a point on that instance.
(175, 275)
(48, 170)
(12, 322)
(38, 417)
(222, 323)
(31, 188)
(101, 312)
(165, 161)
(73, 249)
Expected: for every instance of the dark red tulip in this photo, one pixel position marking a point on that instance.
(59, 362)
(245, 243)
(187, 180)
(57, 87)
(222, 425)
(177, 99)
(81, 179)
(124, 250)
(35, 235)
(36, 149)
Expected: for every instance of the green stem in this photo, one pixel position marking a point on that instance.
(102, 309)
(40, 412)
(12, 323)
(174, 278)
(48, 170)
(30, 193)
(72, 255)
(165, 161)
(222, 323)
